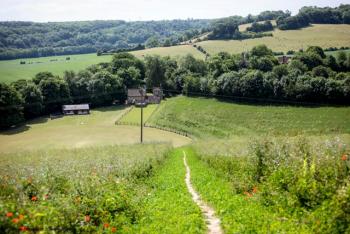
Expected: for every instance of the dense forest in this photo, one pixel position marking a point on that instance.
(311, 76)
(29, 39)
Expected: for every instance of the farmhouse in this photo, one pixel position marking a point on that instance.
(80, 109)
(138, 95)
(284, 59)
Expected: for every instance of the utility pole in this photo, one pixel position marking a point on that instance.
(142, 92)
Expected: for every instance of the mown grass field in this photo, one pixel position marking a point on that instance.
(210, 118)
(323, 35)
(96, 129)
(11, 70)
(134, 116)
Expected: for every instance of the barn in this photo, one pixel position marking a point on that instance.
(79, 109)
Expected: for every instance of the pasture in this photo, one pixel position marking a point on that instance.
(324, 35)
(12, 70)
(210, 118)
(133, 116)
(96, 129)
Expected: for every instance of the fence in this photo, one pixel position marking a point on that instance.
(118, 122)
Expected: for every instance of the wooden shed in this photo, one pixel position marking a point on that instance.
(79, 109)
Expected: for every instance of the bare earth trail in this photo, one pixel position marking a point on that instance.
(213, 223)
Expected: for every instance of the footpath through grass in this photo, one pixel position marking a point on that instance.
(238, 212)
(168, 206)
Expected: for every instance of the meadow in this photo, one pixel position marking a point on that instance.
(208, 118)
(96, 129)
(263, 168)
(11, 70)
(133, 117)
(323, 35)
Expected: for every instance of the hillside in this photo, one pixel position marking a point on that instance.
(323, 35)
(29, 39)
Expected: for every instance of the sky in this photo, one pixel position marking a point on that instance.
(133, 10)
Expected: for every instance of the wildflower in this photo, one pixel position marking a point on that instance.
(113, 229)
(344, 157)
(34, 198)
(23, 228)
(21, 216)
(87, 218)
(255, 189)
(248, 194)
(9, 214)
(15, 220)
(106, 225)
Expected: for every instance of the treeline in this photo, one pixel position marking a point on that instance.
(311, 76)
(29, 39)
(315, 15)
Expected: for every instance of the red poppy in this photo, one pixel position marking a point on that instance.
(248, 194)
(34, 198)
(87, 218)
(255, 189)
(344, 157)
(114, 229)
(21, 216)
(9, 214)
(15, 220)
(106, 225)
(23, 228)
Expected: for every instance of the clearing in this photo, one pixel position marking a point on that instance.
(96, 129)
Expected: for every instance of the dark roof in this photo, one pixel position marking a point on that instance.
(76, 107)
(134, 93)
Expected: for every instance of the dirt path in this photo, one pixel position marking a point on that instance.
(213, 223)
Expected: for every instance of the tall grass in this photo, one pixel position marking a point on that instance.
(81, 190)
(295, 179)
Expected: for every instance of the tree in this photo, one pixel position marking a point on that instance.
(33, 100)
(104, 88)
(316, 50)
(341, 60)
(152, 42)
(130, 77)
(42, 76)
(261, 50)
(10, 106)
(124, 61)
(55, 93)
(155, 71)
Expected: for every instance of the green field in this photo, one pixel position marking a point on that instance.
(11, 70)
(322, 35)
(96, 129)
(133, 116)
(262, 168)
(210, 118)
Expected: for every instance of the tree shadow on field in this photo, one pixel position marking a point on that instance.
(267, 102)
(23, 126)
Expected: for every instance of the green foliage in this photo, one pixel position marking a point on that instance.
(84, 197)
(10, 106)
(261, 27)
(29, 39)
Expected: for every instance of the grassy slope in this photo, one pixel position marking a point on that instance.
(168, 208)
(134, 116)
(323, 35)
(79, 131)
(238, 213)
(207, 118)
